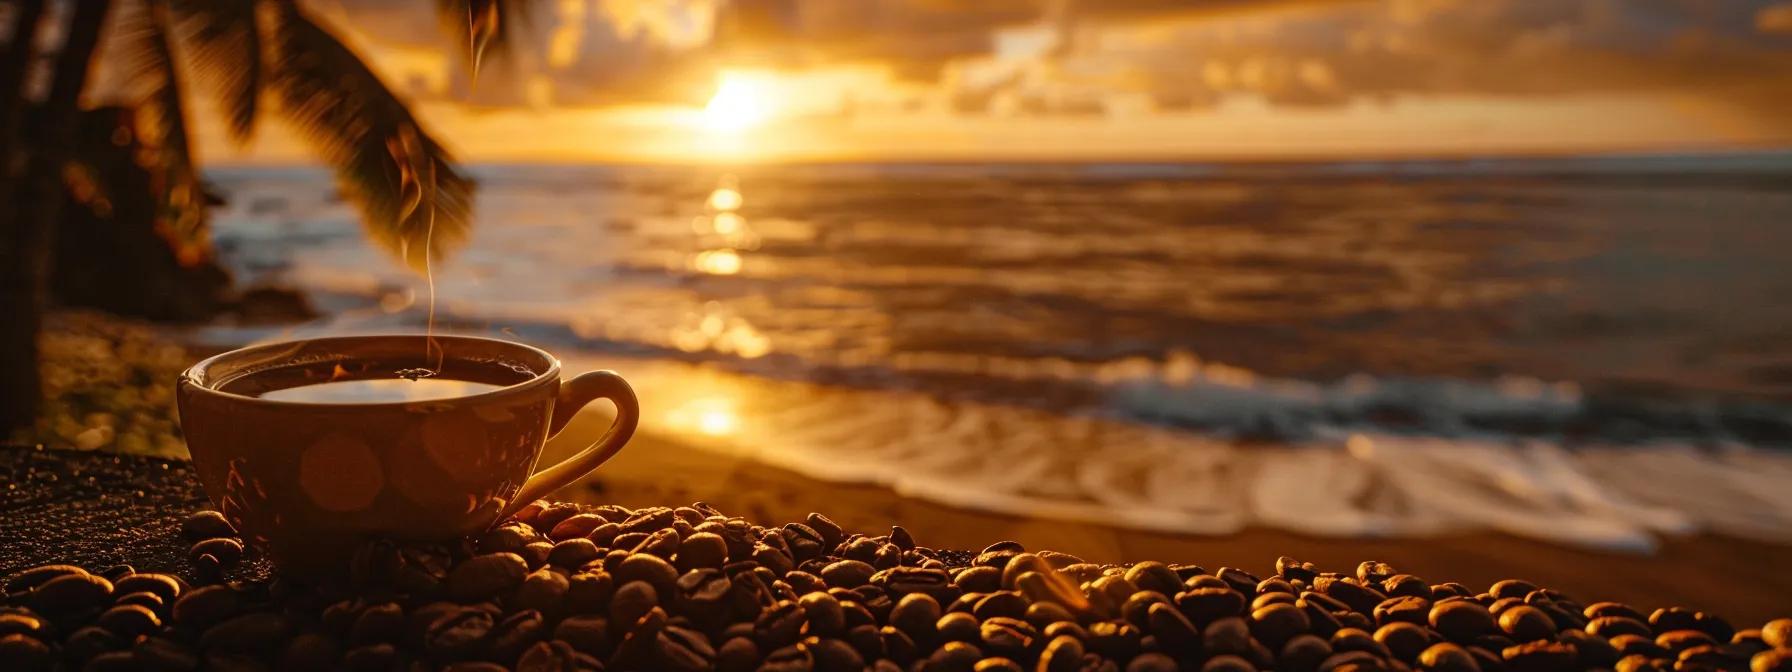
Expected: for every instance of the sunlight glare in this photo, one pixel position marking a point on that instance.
(737, 105)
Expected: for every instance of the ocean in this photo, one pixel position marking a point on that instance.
(1592, 351)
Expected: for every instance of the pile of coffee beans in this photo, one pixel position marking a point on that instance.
(567, 587)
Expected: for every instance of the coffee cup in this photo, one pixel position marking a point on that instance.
(310, 480)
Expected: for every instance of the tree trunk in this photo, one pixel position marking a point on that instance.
(24, 280)
(18, 344)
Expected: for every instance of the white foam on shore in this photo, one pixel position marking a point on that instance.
(1031, 463)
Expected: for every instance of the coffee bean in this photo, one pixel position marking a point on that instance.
(899, 581)
(1267, 599)
(573, 553)
(662, 543)
(1635, 645)
(651, 569)
(700, 550)
(1007, 637)
(1353, 660)
(793, 658)
(458, 634)
(228, 551)
(1590, 649)
(738, 654)
(1777, 660)
(847, 574)
(535, 555)
(589, 593)
(1351, 619)
(1643, 664)
(543, 590)
(1414, 610)
(1352, 639)
(485, 575)
(1452, 589)
(632, 601)
(1541, 657)
(160, 653)
(1137, 607)
(916, 616)
(1446, 657)
(1511, 588)
(25, 653)
(475, 666)
(1275, 624)
(1242, 581)
(1207, 605)
(1405, 641)
(548, 657)
(1303, 653)
(1676, 641)
(1461, 620)
(823, 613)
(1612, 626)
(516, 633)
(648, 521)
(1227, 635)
(69, 595)
(1004, 603)
(1500, 606)
(1526, 623)
(1777, 633)
(129, 621)
(1154, 576)
(779, 625)
(82, 645)
(1492, 643)
(1599, 610)
(1375, 572)
(1406, 585)
(161, 585)
(29, 579)
(1359, 598)
(202, 525)
(576, 526)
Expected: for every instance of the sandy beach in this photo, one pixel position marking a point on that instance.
(1727, 575)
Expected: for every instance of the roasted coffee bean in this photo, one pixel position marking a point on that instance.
(576, 526)
(1227, 635)
(202, 525)
(1227, 663)
(228, 551)
(1004, 603)
(833, 655)
(1206, 605)
(1461, 620)
(129, 621)
(1351, 619)
(649, 568)
(1174, 632)
(1492, 643)
(1414, 610)
(1643, 664)
(1042, 614)
(1352, 639)
(251, 634)
(1275, 624)
(1303, 653)
(1405, 641)
(1007, 637)
(702, 550)
(779, 625)
(1776, 660)
(203, 607)
(1778, 633)
(26, 653)
(458, 634)
(648, 521)
(370, 658)
(738, 654)
(516, 633)
(1137, 607)
(1275, 585)
(1592, 651)
(1676, 641)
(956, 627)
(1500, 606)
(1360, 661)
(1292, 569)
(1443, 590)
(847, 574)
(1446, 657)
(548, 657)
(29, 579)
(142, 599)
(1374, 572)
(662, 543)
(639, 648)
(543, 590)
(955, 657)
(1599, 610)
(1541, 657)
(161, 653)
(535, 555)
(1637, 645)
(573, 553)
(830, 532)
(916, 616)
(475, 666)
(485, 575)
(793, 658)
(508, 538)
(1406, 585)
(1359, 598)
(589, 593)
(1525, 623)
(587, 634)
(823, 614)
(1512, 588)
(69, 595)
(632, 601)
(1154, 576)
(1242, 581)
(161, 585)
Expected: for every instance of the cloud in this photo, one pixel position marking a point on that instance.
(1775, 19)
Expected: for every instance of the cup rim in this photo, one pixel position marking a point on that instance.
(194, 379)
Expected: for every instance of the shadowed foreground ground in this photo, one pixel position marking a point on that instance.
(1738, 579)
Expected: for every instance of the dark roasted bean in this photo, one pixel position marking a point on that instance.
(253, 634)
(1461, 620)
(1154, 576)
(1352, 639)
(823, 614)
(1778, 633)
(1405, 641)
(1275, 624)
(1414, 610)
(1206, 605)
(202, 525)
(1242, 581)
(1525, 623)
(1776, 660)
(1303, 653)
(1541, 657)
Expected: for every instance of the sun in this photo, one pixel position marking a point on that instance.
(737, 105)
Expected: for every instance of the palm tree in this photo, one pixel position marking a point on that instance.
(413, 200)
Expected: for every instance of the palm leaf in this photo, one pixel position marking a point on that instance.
(225, 52)
(148, 62)
(413, 201)
(482, 27)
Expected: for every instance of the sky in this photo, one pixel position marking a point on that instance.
(780, 80)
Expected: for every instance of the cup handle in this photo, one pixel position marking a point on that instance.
(574, 395)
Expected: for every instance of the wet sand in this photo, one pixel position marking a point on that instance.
(1738, 579)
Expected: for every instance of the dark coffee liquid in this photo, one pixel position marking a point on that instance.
(369, 382)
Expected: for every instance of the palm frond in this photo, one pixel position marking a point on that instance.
(413, 200)
(148, 62)
(483, 27)
(225, 52)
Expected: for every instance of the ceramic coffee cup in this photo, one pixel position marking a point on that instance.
(310, 481)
